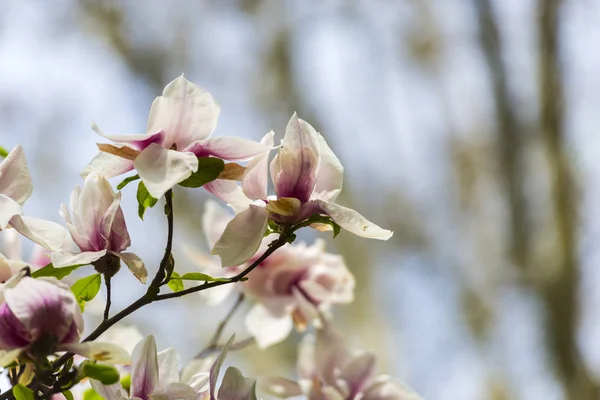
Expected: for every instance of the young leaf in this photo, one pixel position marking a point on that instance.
(105, 373)
(127, 180)
(175, 283)
(68, 395)
(209, 169)
(91, 394)
(22, 392)
(85, 289)
(3, 152)
(145, 200)
(198, 276)
(58, 273)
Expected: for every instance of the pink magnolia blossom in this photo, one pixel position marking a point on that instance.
(97, 225)
(308, 179)
(297, 285)
(179, 130)
(330, 371)
(42, 315)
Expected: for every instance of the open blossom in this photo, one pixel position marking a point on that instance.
(97, 225)
(308, 179)
(297, 285)
(15, 185)
(10, 258)
(329, 370)
(179, 131)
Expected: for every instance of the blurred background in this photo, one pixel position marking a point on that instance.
(469, 127)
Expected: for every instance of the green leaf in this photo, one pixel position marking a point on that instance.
(91, 394)
(198, 276)
(58, 273)
(209, 169)
(85, 289)
(127, 180)
(68, 395)
(175, 283)
(105, 373)
(3, 152)
(22, 392)
(145, 200)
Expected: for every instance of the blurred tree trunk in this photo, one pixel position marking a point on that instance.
(559, 289)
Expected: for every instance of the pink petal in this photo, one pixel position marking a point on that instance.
(47, 234)
(109, 392)
(168, 367)
(138, 142)
(230, 192)
(358, 371)
(255, 180)
(214, 220)
(112, 226)
(107, 165)
(353, 222)
(227, 148)
(8, 209)
(161, 169)
(144, 368)
(185, 111)
(242, 236)
(66, 258)
(268, 326)
(330, 176)
(15, 181)
(236, 387)
(294, 169)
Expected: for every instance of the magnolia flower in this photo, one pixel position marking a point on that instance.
(330, 371)
(179, 131)
(297, 285)
(41, 316)
(97, 226)
(10, 259)
(15, 185)
(308, 179)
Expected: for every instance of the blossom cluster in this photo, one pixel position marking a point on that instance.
(253, 253)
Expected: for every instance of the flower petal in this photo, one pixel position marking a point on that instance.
(385, 388)
(136, 141)
(107, 165)
(7, 357)
(67, 258)
(109, 392)
(280, 387)
(214, 220)
(174, 391)
(294, 169)
(161, 169)
(15, 181)
(358, 371)
(331, 174)
(353, 222)
(100, 351)
(185, 111)
(168, 367)
(47, 234)
(144, 368)
(8, 209)
(230, 192)
(255, 181)
(236, 387)
(135, 264)
(216, 367)
(268, 326)
(227, 148)
(242, 236)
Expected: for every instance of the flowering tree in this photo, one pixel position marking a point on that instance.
(254, 254)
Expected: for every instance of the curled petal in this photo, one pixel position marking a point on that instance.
(161, 169)
(47, 234)
(236, 387)
(294, 169)
(15, 181)
(227, 148)
(268, 327)
(185, 111)
(144, 368)
(230, 192)
(331, 174)
(99, 351)
(107, 165)
(8, 209)
(353, 222)
(66, 258)
(242, 236)
(135, 141)
(255, 181)
(135, 264)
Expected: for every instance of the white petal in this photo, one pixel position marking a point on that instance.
(280, 387)
(100, 351)
(144, 368)
(230, 192)
(135, 264)
(8, 209)
(47, 234)
(266, 327)
(330, 176)
(216, 367)
(174, 391)
(214, 220)
(109, 392)
(236, 387)
(385, 388)
(7, 357)
(185, 111)
(168, 367)
(107, 165)
(200, 381)
(255, 181)
(66, 258)
(160, 169)
(15, 181)
(353, 222)
(242, 236)
(228, 148)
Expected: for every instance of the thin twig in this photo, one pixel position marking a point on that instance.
(221, 327)
(107, 279)
(235, 346)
